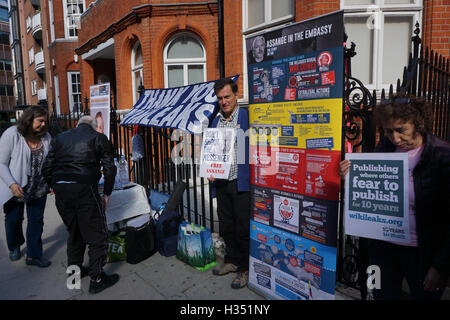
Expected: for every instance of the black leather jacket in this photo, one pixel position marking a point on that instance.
(77, 155)
(432, 203)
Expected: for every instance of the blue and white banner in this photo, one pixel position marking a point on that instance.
(188, 108)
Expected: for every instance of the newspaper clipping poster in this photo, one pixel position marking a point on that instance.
(295, 89)
(100, 106)
(217, 152)
(376, 198)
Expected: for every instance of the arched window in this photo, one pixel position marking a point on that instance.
(184, 61)
(137, 73)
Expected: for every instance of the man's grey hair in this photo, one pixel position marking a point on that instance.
(88, 120)
(260, 38)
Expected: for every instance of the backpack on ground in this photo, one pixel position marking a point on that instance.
(166, 230)
(167, 221)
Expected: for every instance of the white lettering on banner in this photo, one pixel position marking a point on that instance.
(202, 118)
(374, 185)
(197, 94)
(211, 97)
(188, 108)
(276, 42)
(163, 98)
(168, 119)
(153, 96)
(304, 34)
(376, 168)
(156, 117)
(319, 31)
(177, 96)
(182, 120)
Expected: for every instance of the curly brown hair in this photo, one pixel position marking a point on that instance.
(407, 108)
(25, 122)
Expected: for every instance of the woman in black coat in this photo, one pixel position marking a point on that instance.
(425, 262)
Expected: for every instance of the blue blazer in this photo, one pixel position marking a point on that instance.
(243, 179)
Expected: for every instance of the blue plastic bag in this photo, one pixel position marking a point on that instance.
(137, 147)
(158, 200)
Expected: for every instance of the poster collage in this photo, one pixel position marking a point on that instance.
(295, 92)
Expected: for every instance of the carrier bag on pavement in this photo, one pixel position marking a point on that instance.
(137, 145)
(140, 242)
(116, 247)
(167, 220)
(195, 246)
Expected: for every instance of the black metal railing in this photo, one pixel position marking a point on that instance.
(156, 170)
(162, 167)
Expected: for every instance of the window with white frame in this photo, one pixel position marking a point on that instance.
(52, 20)
(31, 55)
(72, 13)
(58, 104)
(137, 74)
(382, 31)
(33, 87)
(184, 61)
(73, 78)
(28, 23)
(265, 13)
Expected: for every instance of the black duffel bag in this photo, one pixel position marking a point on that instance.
(140, 242)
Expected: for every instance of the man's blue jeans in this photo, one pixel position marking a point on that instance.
(35, 225)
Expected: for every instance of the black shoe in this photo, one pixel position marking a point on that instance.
(15, 254)
(84, 271)
(103, 281)
(40, 262)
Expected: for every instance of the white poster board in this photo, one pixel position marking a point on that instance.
(217, 152)
(100, 106)
(127, 203)
(376, 196)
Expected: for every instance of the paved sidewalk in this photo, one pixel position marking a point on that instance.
(156, 278)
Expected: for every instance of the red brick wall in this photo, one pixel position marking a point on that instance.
(307, 9)
(25, 9)
(110, 11)
(58, 16)
(123, 45)
(6, 76)
(153, 33)
(59, 58)
(63, 55)
(436, 26)
(233, 42)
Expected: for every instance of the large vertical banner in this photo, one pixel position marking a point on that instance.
(295, 90)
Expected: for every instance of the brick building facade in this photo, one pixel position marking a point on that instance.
(176, 42)
(29, 47)
(7, 100)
